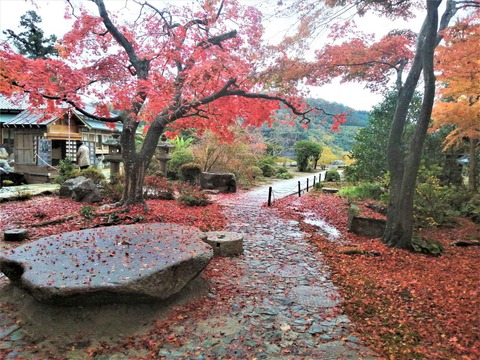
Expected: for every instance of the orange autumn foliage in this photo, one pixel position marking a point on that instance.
(459, 74)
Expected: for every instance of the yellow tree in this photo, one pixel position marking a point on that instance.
(458, 104)
(327, 157)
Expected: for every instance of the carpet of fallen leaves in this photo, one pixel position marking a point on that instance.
(404, 305)
(48, 215)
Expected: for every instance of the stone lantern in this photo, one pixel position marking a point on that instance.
(114, 155)
(163, 153)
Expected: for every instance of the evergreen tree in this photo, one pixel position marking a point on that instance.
(370, 148)
(307, 152)
(32, 42)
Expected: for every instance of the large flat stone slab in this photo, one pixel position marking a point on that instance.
(131, 263)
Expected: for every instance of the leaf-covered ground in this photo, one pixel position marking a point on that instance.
(48, 215)
(405, 305)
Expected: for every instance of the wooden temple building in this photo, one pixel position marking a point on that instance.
(40, 140)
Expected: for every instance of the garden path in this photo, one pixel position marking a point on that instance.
(293, 306)
(276, 301)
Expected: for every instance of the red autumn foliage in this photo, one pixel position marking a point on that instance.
(404, 305)
(29, 214)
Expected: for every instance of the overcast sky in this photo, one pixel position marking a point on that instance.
(52, 14)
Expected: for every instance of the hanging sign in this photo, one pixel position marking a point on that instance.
(44, 147)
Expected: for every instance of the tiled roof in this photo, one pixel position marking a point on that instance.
(39, 117)
(6, 104)
(100, 125)
(32, 118)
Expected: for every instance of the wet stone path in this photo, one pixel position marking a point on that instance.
(293, 307)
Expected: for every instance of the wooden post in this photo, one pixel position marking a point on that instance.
(314, 179)
(299, 189)
(307, 184)
(270, 196)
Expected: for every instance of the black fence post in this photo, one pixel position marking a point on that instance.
(307, 184)
(314, 179)
(299, 189)
(270, 196)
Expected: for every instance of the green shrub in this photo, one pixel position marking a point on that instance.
(24, 195)
(362, 191)
(471, 208)
(179, 157)
(268, 170)
(157, 187)
(254, 172)
(283, 173)
(113, 189)
(7, 182)
(190, 173)
(87, 211)
(93, 173)
(432, 248)
(67, 170)
(267, 164)
(192, 196)
(433, 203)
(332, 175)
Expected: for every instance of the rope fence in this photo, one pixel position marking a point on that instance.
(298, 189)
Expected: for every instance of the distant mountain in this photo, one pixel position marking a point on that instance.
(354, 117)
(286, 133)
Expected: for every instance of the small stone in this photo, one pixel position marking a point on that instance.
(15, 235)
(228, 339)
(224, 243)
(271, 311)
(8, 330)
(5, 345)
(272, 348)
(315, 329)
(326, 337)
(118, 356)
(210, 343)
(18, 335)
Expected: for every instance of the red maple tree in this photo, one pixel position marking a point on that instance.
(171, 68)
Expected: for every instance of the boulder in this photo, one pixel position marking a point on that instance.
(87, 191)
(223, 182)
(118, 264)
(373, 228)
(81, 189)
(66, 190)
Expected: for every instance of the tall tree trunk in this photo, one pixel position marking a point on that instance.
(136, 162)
(399, 227)
(473, 166)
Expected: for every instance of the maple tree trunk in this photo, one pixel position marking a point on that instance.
(399, 228)
(136, 162)
(134, 176)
